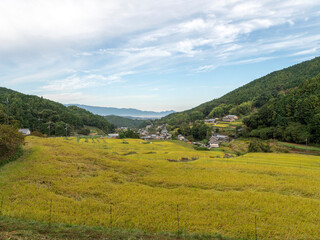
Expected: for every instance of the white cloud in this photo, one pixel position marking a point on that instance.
(76, 82)
(104, 42)
(306, 52)
(206, 68)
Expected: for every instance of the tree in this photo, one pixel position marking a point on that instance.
(199, 130)
(128, 134)
(257, 145)
(10, 140)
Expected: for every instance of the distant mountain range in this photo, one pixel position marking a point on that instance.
(123, 112)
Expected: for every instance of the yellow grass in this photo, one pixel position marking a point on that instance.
(214, 194)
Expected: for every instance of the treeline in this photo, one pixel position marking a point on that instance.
(292, 117)
(244, 100)
(37, 114)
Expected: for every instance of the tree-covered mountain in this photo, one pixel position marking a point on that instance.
(123, 112)
(37, 113)
(126, 122)
(292, 116)
(244, 100)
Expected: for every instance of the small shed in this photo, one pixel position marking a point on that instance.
(113, 135)
(25, 131)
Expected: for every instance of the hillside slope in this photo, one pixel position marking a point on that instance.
(292, 117)
(27, 111)
(257, 92)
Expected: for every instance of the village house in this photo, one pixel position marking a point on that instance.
(25, 131)
(230, 118)
(212, 120)
(181, 138)
(219, 137)
(214, 144)
(113, 135)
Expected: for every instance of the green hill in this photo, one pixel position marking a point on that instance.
(293, 117)
(255, 94)
(27, 111)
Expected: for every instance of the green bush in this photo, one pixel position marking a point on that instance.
(10, 141)
(258, 146)
(84, 131)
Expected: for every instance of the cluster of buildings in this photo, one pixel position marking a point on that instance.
(214, 142)
(216, 139)
(227, 118)
(160, 133)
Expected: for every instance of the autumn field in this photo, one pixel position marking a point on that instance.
(163, 186)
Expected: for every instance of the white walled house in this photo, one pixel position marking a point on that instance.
(25, 131)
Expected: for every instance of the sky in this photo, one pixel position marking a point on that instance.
(151, 55)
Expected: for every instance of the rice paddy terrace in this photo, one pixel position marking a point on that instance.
(163, 186)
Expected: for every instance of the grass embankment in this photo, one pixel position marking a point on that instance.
(6, 159)
(91, 181)
(20, 229)
(301, 147)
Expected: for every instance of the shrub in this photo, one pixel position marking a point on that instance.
(258, 146)
(10, 140)
(84, 131)
(38, 134)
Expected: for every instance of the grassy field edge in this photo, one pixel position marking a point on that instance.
(18, 229)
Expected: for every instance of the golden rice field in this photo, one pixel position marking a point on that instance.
(133, 185)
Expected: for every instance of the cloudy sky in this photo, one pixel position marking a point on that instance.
(150, 55)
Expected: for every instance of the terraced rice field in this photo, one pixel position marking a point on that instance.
(162, 186)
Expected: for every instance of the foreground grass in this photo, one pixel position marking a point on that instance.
(133, 185)
(19, 229)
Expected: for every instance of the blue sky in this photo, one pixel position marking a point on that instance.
(150, 55)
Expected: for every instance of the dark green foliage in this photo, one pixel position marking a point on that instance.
(258, 146)
(36, 113)
(242, 109)
(10, 141)
(220, 110)
(60, 128)
(292, 117)
(84, 131)
(127, 122)
(128, 134)
(200, 130)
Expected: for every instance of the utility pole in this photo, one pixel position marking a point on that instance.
(66, 130)
(306, 145)
(7, 103)
(49, 127)
(39, 119)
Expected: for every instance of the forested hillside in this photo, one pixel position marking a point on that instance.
(37, 113)
(255, 94)
(293, 117)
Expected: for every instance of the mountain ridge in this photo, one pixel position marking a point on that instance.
(123, 112)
